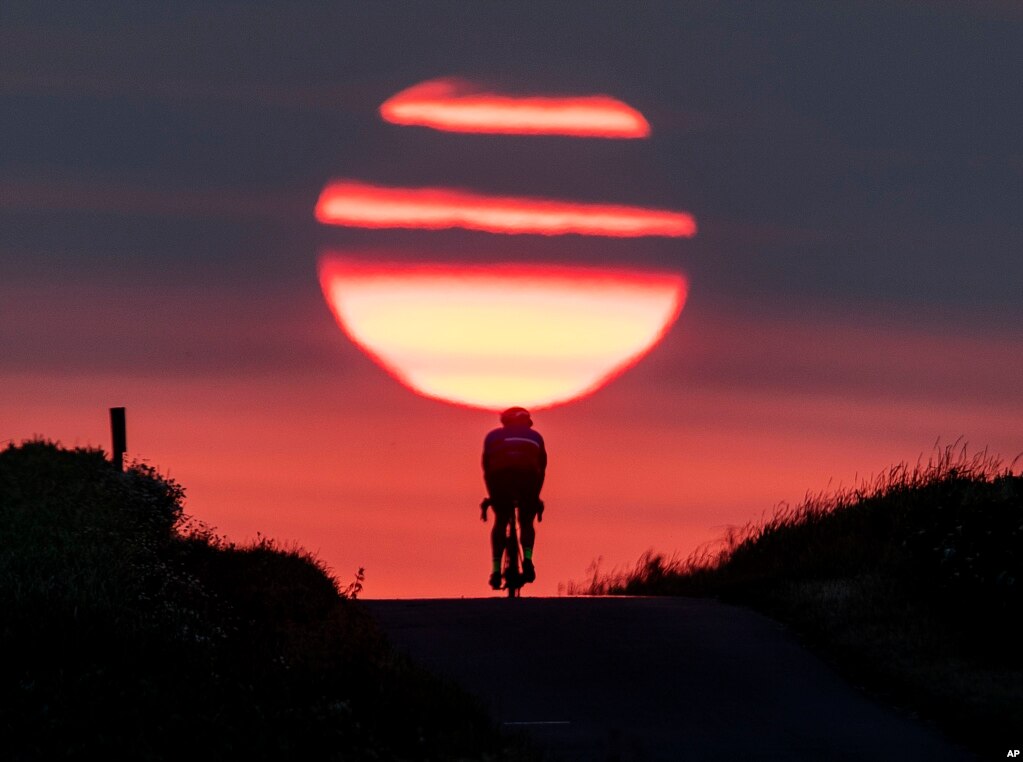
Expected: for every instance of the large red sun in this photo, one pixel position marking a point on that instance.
(497, 335)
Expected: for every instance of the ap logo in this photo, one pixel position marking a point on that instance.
(1013, 753)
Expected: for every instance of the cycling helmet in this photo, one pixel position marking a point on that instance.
(516, 416)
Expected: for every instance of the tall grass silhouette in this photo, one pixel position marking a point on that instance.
(911, 582)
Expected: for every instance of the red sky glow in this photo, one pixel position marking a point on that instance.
(495, 336)
(184, 236)
(454, 105)
(358, 204)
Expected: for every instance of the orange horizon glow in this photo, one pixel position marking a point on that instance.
(492, 336)
(357, 204)
(455, 105)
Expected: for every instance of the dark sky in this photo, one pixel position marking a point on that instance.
(856, 170)
(858, 153)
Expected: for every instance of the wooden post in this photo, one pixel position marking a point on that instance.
(119, 435)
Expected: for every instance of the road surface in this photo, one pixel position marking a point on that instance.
(652, 679)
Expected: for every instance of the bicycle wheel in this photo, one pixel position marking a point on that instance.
(512, 569)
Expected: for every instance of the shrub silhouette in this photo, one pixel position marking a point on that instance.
(134, 630)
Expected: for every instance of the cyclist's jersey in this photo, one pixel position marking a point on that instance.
(514, 448)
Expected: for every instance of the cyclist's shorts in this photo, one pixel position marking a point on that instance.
(507, 487)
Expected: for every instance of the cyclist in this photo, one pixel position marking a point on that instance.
(514, 465)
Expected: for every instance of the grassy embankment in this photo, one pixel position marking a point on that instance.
(125, 632)
(912, 585)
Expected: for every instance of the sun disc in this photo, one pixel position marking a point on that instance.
(491, 336)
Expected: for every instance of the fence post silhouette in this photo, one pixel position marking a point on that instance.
(119, 436)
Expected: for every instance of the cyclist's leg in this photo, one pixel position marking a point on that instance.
(503, 503)
(527, 532)
(529, 505)
(502, 515)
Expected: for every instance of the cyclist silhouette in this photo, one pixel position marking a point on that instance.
(514, 465)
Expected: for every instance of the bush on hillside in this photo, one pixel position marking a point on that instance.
(952, 526)
(911, 582)
(130, 630)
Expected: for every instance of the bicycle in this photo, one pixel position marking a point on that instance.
(511, 559)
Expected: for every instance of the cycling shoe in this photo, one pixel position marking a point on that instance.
(495, 580)
(528, 572)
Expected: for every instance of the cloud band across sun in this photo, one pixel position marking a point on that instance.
(358, 204)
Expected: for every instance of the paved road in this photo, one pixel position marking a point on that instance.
(652, 679)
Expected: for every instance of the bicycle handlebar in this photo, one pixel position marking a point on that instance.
(487, 503)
